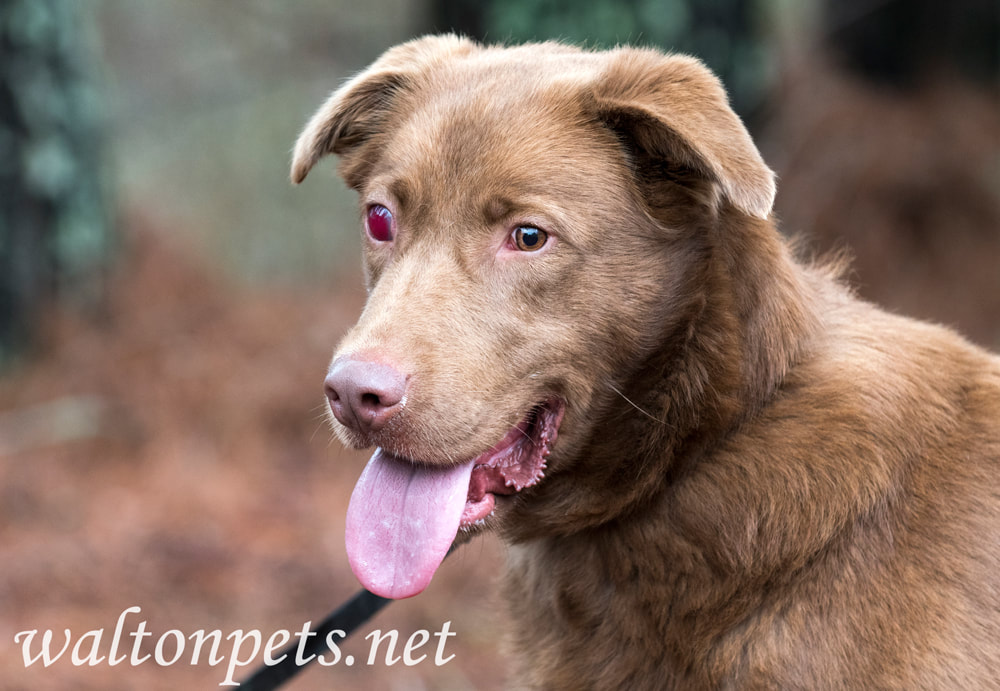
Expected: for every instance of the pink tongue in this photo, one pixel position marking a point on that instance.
(401, 521)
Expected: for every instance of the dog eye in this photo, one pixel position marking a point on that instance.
(529, 239)
(379, 223)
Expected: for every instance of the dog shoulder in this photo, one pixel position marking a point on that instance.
(871, 477)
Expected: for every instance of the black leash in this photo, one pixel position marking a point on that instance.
(349, 616)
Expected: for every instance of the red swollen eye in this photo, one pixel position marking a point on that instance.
(379, 222)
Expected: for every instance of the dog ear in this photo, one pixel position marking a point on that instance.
(360, 108)
(675, 109)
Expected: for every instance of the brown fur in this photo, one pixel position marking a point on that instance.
(760, 481)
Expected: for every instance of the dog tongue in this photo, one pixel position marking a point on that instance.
(401, 521)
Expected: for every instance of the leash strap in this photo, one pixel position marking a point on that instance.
(349, 616)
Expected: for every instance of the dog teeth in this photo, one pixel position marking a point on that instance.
(478, 523)
(534, 480)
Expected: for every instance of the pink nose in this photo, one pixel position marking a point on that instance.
(364, 395)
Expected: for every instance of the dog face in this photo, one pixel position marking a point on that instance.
(520, 271)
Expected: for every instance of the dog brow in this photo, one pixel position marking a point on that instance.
(496, 209)
(402, 191)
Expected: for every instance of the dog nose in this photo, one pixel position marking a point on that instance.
(364, 395)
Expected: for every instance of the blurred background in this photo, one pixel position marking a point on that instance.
(168, 301)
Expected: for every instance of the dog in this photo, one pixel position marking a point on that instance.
(714, 466)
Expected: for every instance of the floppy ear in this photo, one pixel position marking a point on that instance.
(359, 110)
(675, 109)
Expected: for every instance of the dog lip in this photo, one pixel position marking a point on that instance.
(514, 463)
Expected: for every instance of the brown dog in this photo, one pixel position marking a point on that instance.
(759, 481)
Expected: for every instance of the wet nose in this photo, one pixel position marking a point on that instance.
(364, 394)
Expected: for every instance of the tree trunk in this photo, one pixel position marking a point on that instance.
(54, 231)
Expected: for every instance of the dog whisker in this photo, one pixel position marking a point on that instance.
(319, 425)
(632, 403)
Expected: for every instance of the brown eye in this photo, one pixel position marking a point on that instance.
(529, 239)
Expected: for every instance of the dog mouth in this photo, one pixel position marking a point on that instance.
(404, 515)
(516, 462)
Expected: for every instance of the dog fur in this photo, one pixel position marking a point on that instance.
(759, 481)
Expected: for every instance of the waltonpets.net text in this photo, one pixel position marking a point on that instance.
(242, 647)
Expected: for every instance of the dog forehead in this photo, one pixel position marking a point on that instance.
(489, 131)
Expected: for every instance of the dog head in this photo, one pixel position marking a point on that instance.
(530, 218)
